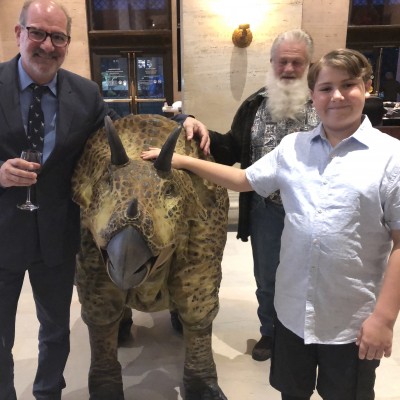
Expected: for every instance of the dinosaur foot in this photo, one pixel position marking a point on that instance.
(124, 332)
(107, 392)
(204, 392)
(175, 322)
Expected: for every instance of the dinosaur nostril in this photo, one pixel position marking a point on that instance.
(132, 209)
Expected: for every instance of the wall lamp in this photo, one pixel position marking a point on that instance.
(242, 36)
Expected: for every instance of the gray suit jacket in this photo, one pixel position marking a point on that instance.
(56, 223)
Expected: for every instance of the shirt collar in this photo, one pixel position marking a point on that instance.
(25, 80)
(361, 134)
(317, 133)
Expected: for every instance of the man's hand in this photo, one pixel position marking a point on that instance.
(374, 339)
(194, 127)
(18, 172)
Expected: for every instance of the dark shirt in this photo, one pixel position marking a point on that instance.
(235, 146)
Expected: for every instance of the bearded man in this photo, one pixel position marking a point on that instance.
(277, 109)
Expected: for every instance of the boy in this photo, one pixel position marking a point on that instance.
(340, 187)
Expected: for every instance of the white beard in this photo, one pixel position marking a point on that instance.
(286, 98)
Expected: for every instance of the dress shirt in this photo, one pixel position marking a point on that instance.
(49, 107)
(341, 204)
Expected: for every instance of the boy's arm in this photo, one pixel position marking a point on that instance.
(376, 334)
(229, 177)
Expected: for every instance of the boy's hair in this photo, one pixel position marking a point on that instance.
(27, 4)
(351, 61)
(294, 35)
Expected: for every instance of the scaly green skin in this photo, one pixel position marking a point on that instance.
(175, 210)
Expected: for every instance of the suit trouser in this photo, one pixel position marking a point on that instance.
(52, 293)
(266, 226)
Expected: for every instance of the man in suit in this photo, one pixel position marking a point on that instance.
(44, 242)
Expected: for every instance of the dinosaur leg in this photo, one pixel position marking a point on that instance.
(102, 310)
(200, 375)
(125, 325)
(175, 322)
(105, 379)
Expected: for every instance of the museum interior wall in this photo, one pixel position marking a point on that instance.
(219, 76)
(216, 75)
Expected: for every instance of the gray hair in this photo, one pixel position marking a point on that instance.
(27, 4)
(294, 35)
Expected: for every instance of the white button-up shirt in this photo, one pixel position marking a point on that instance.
(341, 204)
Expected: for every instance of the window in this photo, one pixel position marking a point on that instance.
(130, 15)
(374, 29)
(374, 12)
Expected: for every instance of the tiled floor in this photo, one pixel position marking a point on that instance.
(152, 364)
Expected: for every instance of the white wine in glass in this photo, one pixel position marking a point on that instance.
(36, 157)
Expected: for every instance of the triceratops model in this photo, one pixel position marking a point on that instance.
(152, 239)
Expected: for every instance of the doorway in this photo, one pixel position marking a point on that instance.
(130, 45)
(132, 82)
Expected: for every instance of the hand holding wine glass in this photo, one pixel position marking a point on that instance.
(36, 157)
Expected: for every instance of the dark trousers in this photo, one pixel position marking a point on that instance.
(52, 293)
(341, 374)
(266, 226)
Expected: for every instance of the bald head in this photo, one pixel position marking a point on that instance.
(49, 4)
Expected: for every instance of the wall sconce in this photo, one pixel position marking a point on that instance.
(242, 36)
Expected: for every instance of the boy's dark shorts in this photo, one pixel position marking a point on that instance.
(341, 374)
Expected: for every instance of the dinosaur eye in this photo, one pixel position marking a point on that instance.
(170, 191)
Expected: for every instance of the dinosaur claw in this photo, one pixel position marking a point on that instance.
(205, 392)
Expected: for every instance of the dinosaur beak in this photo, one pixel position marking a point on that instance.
(129, 259)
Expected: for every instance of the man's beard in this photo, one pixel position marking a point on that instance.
(286, 97)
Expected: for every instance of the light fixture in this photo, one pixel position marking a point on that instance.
(242, 36)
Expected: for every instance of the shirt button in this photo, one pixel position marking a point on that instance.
(319, 211)
(315, 241)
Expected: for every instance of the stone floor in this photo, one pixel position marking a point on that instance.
(152, 363)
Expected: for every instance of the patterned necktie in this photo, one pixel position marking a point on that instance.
(36, 118)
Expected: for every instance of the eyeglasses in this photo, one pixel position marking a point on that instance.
(58, 39)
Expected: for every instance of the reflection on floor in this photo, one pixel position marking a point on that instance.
(152, 364)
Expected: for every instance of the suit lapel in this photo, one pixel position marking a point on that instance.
(10, 105)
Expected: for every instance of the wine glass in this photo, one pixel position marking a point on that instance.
(36, 157)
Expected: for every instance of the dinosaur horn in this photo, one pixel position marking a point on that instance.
(118, 153)
(163, 161)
